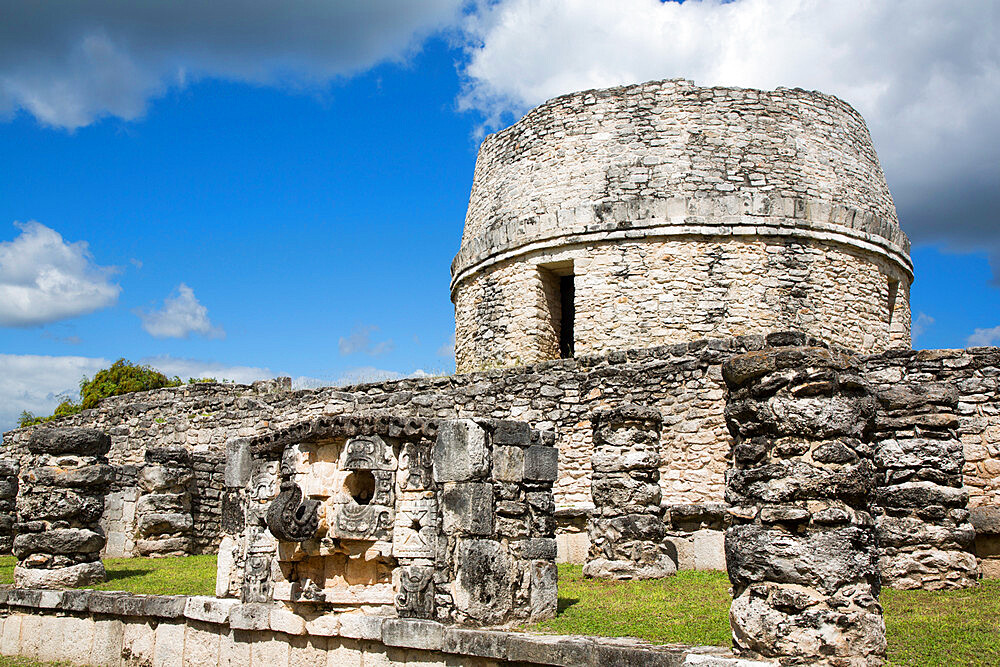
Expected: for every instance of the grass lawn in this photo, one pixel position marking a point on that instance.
(187, 575)
(925, 629)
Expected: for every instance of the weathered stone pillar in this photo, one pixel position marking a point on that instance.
(801, 552)
(8, 499)
(58, 537)
(626, 528)
(924, 534)
(163, 511)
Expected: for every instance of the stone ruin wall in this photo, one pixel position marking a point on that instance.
(746, 211)
(684, 381)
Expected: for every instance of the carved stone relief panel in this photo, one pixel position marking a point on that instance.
(415, 532)
(415, 598)
(415, 467)
(366, 509)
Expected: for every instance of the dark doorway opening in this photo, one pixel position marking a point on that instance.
(567, 315)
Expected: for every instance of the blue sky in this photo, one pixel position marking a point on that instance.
(269, 197)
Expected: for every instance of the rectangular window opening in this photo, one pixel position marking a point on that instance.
(567, 315)
(559, 290)
(893, 292)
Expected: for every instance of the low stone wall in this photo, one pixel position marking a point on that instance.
(119, 629)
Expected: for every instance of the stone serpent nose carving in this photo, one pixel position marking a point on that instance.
(291, 519)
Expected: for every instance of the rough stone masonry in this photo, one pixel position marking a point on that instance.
(59, 506)
(801, 552)
(627, 533)
(648, 233)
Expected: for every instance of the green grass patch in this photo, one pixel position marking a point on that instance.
(8, 661)
(924, 628)
(690, 608)
(939, 628)
(185, 575)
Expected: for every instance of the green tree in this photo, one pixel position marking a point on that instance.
(123, 377)
(27, 419)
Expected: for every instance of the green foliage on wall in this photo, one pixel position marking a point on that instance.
(122, 377)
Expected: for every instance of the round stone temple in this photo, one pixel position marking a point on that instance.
(664, 213)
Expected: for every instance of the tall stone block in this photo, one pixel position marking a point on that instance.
(164, 521)
(924, 532)
(59, 507)
(801, 552)
(626, 528)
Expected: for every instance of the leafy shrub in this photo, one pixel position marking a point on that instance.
(123, 377)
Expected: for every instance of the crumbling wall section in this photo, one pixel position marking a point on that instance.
(683, 381)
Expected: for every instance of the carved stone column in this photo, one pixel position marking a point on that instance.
(924, 533)
(59, 508)
(627, 534)
(163, 512)
(801, 554)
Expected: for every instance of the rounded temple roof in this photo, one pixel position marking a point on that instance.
(669, 158)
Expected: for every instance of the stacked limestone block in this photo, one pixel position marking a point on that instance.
(164, 521)
(59, 507)
(8, 496)
(924, 533)
(801, 552)
(626, 528)
(374, 514)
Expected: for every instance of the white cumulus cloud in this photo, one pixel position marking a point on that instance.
(985, 337)
(70, 63)
(181, 315)
(38, 383)
(360, 341)
(366, 374)
(448, 349)
(924, 73)
(43, 278)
